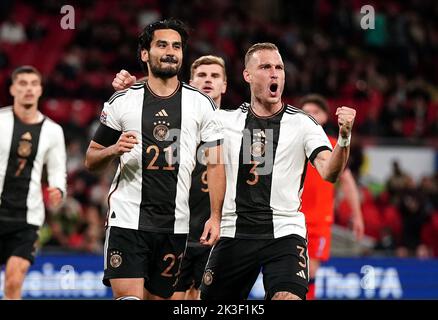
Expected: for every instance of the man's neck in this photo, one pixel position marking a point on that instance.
(28, 115)
(163, 87)
(217, 101)
(265, 109)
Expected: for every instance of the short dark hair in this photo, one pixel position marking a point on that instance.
(145, 38)
(25, 69)
(317, 99)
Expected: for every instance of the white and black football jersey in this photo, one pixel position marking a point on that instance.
(150, 190)
(266, 159)
(24, 149)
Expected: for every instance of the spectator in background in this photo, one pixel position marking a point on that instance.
(413, 213)
(4, 60)
(36, 30)
(386, 243)
(397, 182)
(62, 223)
(12, 32)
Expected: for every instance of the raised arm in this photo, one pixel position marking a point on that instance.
(330, 165)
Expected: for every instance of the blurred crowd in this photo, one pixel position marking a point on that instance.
(389, 74)
(401, 216)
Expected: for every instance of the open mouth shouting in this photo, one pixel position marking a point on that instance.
(273, 87)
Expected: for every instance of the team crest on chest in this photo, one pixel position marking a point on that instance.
(161, 127)
(25, 145)
(258, 145)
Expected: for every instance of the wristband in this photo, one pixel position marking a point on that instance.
(344, 142)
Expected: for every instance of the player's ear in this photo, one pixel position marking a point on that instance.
(40, 90)
(144, 55)
(246, 76)
(12, 90)
(224, 88)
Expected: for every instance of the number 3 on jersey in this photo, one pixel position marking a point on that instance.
(254, 175)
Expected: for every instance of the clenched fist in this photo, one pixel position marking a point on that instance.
(345, 120)
(123, 80)
(126, 142)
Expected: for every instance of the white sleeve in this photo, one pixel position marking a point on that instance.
(211, 127)
(315, 139)
(110, 115)
(56, 161)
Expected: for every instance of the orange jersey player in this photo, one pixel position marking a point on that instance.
(318, 199)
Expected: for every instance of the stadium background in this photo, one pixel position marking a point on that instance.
(389, 74)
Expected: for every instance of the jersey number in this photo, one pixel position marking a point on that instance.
(304, 263)
(21, 165)
(204, 181)
(255, 176)
(166, 273)
(168, 155)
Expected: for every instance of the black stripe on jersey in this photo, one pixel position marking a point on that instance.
(293, 110)
(117, 95)
(253, 191)
(213, 104)
(303, 175)
(24, 147)
(106, 136)
(316, 151)
(111, 193)
(159, 177)
(137, 87)
(211, 144)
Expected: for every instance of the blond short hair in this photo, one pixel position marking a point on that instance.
(258, 47)
(207, 60)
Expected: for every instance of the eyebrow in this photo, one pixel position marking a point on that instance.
(167, 42)
(271, 64)
(203, 72)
